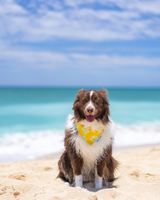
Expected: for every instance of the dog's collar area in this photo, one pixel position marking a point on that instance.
(88, 134)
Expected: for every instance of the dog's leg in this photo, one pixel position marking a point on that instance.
(65, 169)
(98, 180)
(77, 164)
(99, 174)
(111, 166)
(78, 181)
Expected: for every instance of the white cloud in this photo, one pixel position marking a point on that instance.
(10, 7)
(107, 61)
(80, 23)
(55, 60)
(145, 6)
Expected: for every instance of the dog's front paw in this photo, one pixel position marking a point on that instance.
(78, 181)
(98, 182)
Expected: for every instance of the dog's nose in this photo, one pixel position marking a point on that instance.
(90, 110)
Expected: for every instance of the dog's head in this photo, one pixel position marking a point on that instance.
(91, 105)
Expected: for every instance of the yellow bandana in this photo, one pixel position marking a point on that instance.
(89, 135)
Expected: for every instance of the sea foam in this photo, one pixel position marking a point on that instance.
(27, 146)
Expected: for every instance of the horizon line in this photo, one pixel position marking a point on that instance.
(72, 87)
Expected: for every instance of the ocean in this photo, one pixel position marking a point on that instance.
(32, 120)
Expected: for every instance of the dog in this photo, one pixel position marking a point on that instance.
(88, 159)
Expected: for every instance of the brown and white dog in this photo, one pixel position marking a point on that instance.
(80, 161)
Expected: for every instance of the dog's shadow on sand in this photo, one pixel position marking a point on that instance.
(90, 186)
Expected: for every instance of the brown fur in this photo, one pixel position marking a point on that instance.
(111, 166)
(70, 163)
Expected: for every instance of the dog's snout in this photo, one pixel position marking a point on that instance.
(90, 110)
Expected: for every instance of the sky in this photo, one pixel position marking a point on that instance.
(114, 43)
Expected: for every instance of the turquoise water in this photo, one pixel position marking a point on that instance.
(26, 109)
(32, 120)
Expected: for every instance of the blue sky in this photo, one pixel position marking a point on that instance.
(114, 43)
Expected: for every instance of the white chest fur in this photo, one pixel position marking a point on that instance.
(90, 154)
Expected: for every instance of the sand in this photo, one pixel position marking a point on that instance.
(138, 178)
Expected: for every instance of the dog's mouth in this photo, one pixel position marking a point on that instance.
(90, 118)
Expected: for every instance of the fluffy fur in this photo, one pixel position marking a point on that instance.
(80, 160)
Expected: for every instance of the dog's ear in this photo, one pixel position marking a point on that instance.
(76, 103)
(81, 91)
(106, 114)
(76, 107)
(104, 92)
(77, 100)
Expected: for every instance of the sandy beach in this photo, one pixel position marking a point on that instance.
(138, 178)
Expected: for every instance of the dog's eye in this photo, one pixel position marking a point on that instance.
(96, 100)
(83, 100)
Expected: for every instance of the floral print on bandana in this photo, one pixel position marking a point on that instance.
(89, 135)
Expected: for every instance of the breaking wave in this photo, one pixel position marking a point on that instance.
(27, 146)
